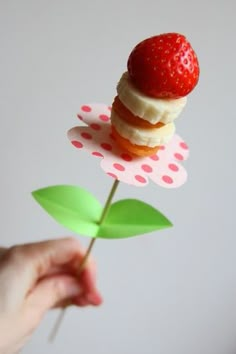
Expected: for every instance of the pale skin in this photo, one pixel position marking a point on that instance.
(37, 277)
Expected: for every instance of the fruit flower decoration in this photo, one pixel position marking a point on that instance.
(135, 139)
(162, 70)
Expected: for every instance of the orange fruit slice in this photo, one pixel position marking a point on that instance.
(139, 150)
(125, 114)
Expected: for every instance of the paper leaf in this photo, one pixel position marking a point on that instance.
(131, 217)
(71, 206)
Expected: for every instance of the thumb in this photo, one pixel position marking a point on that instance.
(51, 291)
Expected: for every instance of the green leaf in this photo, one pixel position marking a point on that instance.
(71, 206)
(131, 217)
(79, 211)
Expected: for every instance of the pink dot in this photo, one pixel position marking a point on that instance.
(173, 167)
(146, 168)
(79, 116)
(106, 146)
(112, 175)
(77, 144)
(167, 179)
(86, 108)
(154, 157)
(86, 135)
(95, 126)
(118, 167)
(96, 153)
(162, 147)
(184, 145)
(104, 117)
(109, 107)
(140, 179)
(178, 156)
(126, 157)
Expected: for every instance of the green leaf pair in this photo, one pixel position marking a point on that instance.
(79, 211)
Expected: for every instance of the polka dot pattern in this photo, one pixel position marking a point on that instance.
(104, 117)
(163, 168)
(126, 157)
(140, 179)
(86, 108)
(178, 156)
(167, 179)
(86, 135)
(173, 167)
(146, 168)
(77, 144)
(154, 157)
(106, 146)
(183, 145)
(118, 167)
(96, 153)
(112, 175)
(95, 126)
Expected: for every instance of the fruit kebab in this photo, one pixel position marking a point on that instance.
(162, 71)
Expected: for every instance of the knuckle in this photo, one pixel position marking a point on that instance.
(71, 239)
(18, 256)
(15, 254)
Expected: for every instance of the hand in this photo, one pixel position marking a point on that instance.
(36, 277)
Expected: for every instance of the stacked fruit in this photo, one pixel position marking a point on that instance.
(162, 71)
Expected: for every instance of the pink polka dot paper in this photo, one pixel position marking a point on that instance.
(164, 168)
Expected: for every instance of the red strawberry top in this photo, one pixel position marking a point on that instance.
(164, 66)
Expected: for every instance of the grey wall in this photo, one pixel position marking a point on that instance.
(172, 292)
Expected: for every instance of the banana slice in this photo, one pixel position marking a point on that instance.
(153, 110)
(141, 136)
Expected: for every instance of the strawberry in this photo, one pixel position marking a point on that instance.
(164, 66)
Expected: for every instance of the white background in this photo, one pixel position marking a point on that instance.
(172, 292)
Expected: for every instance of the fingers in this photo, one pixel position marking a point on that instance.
(60, 291)
(87, 279)
(94, 299)
(45, 255)
(52, 291)
(37, 277)
(36, 260)
(49, 270)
